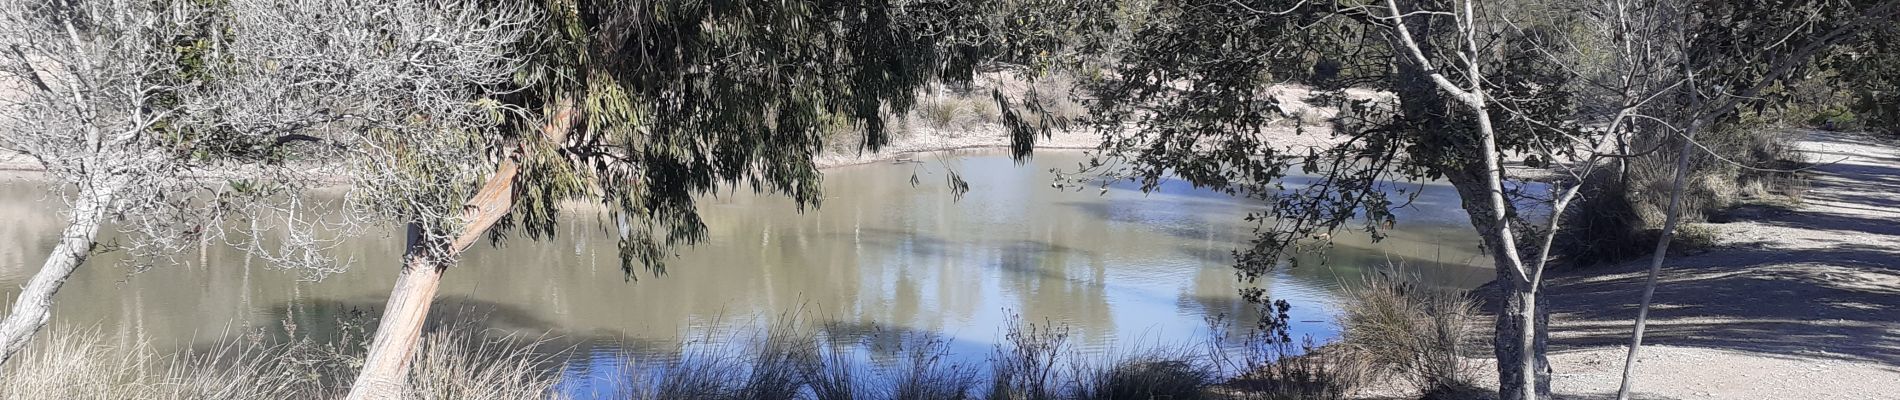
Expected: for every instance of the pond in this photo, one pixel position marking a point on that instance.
(1115, 266)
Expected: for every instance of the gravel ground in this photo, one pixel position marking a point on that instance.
(1799, 303)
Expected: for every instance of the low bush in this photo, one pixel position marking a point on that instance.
(1306, 372)
(1415, 333)
(1622, 210)
(1265, 364)
(1148, 376)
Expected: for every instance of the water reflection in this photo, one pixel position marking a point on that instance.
(1114, 265)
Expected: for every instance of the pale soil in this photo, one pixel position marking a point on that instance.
(922, 138)
(915, 144)
(1799, 303)
(921, 144)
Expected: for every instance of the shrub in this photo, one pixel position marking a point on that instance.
(1154, 374)
(1694, 237)
(1265, 364)
(1413, 332)
(944, 114)
(1836, 119)
(1619, 215)
(1300, 373)
(1026, 363)
(82, 365)
(453, 364)
(926, 375)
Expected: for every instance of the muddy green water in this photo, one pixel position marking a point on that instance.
(1117, 267)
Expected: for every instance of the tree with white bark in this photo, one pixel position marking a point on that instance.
(1731, 55)
(116, 101)
(185, 122)
(460, 120)
(1568, 85)
(408, 99)
(639, 107)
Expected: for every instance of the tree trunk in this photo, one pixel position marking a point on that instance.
(1521, 340)
(1520, 336)
(386, 368)
(397, 335)
(1523, 370)
(34, 307)
(1673, 217)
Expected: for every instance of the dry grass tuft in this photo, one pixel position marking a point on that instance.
(1033, 362)
(83, 365)
(1412, 332)
(453, 364)
(1269, 366)
(1155, 374)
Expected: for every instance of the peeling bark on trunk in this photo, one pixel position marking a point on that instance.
(34, 307)
(393, 347)
(398, 334)
(400, 330)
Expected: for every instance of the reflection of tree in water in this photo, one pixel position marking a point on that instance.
(1042, 276)
(880, 253)
(1309, 283)
(904, 267)
(30, 230)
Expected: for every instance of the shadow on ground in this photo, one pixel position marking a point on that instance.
(1831, 293)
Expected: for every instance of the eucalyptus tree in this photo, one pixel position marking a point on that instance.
(641, 107)
(1559, 84)
(404, 102)
(119, 102)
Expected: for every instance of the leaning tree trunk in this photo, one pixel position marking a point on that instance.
(391, 350)
(1673, 217)
(400, 330)
(393, 347)
(34, 307)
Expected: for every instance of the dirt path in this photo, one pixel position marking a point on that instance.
(1794, 304)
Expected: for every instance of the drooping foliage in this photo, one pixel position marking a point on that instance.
(676, 99)
(1866, 70)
